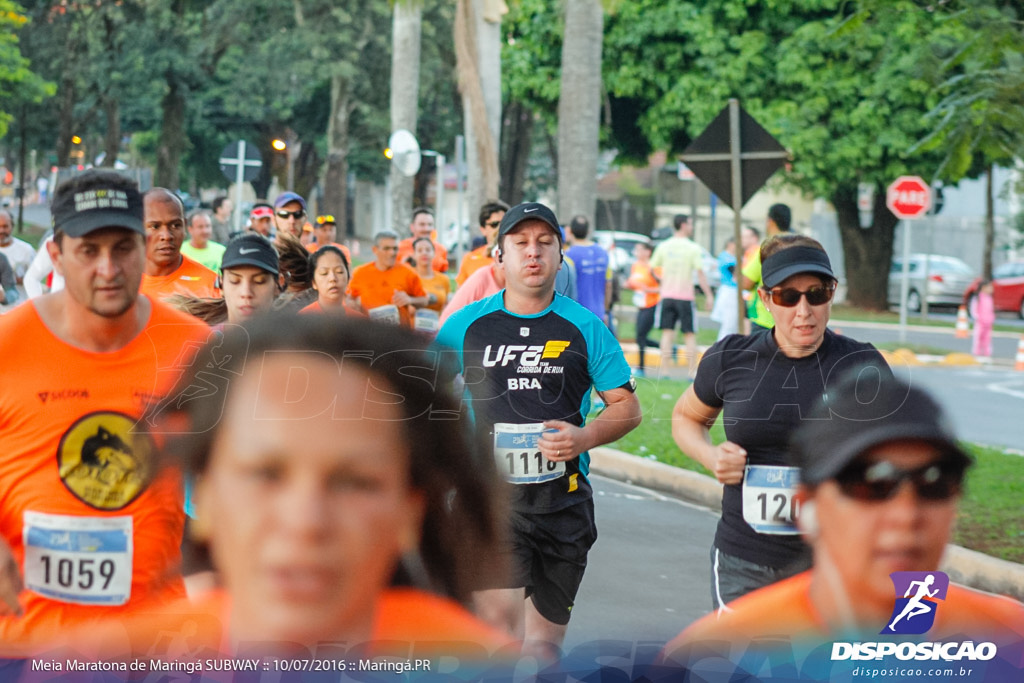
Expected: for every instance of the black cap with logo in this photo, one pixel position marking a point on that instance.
(250, 249)
(528, 211)
(78, 212)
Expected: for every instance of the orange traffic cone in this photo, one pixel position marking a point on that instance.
(963, 327)
(1019, 364)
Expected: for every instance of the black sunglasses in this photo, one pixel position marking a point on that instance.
(291, 214)
(881, 480)
(492, 224)
(790, 296)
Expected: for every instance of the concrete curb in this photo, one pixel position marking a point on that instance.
(963, 566)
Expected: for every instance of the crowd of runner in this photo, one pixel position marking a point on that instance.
(259, 441)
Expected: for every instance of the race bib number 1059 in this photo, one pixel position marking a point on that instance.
(84, 560)
(519, 459)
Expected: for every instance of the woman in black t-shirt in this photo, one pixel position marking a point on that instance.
(764, 384)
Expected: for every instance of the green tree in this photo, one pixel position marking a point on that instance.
(845, 90)
(980, 121)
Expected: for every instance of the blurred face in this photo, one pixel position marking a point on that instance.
(490, 226)
(799, 329)
(749, 239)
(262, 225)
(305, 531)
(102, 270)
(290, 218)
(424, 254)
(531, 257)
(330, 280)
(225, 209)
(165, 231)
(422, 225)
(386, 253)
(325, 233)
(200, 230)
(5, 229)
(248, 291)
(641, 252)
(866, 540)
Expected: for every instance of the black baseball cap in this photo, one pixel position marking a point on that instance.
(77, 212)
(250, 249)
(528, 211)
(792, 261)
(865, 408)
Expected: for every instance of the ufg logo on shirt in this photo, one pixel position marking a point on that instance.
(916, 595)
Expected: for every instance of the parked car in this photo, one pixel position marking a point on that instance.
(1007, 288)
(948, 279)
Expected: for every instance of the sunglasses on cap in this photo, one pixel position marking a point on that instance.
(324, 219)
(290, 214)
(790, 296)
(877, 481)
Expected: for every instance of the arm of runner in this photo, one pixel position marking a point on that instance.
(690, 421)
(621, 415)
(10, 582)
(709, 296)
(403, 299)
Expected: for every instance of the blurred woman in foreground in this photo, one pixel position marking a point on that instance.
(324, 475)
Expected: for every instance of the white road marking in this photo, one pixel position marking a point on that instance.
(648, 495)
(1004, 388)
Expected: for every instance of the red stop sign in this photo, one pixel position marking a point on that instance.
(909, 197)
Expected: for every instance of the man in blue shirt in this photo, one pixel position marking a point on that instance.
(593, 285)
(530, 358)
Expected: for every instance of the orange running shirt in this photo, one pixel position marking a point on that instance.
(190, 279)
(406, 620)
(93, 523)
(472, 262)
(784, 611)
(374, 287)
(439, 285)
(315, 307)
(313, 246)
(641, 278)
(440, 262)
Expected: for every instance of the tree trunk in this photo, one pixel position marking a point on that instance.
(66, 120)
(405, 79)
(478, 62)
(990, 224)
(112, 137)
(172, 136)
(867, 253)
(335, 198)
(517, 141)
(579, 108)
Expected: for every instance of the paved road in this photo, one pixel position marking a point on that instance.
(986, 404)
(648, 574)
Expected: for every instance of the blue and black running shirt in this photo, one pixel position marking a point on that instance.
(521, 371)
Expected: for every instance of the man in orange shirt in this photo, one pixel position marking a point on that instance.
(491, 214)
(423, 226)
(168, 271)
(90, 522)
(385, 289)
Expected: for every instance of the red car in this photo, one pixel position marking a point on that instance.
(1007, 286)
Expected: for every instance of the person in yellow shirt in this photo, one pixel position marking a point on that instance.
(437, 286)
(491, 214)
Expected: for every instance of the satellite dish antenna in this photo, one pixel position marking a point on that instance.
(404, 152)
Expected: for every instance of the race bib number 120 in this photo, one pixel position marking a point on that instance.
(84, 560)
(519, 459)
(769, 503)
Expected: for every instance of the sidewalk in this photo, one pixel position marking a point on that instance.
(963, 566)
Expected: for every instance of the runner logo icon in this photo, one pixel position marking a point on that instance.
(916, 595)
